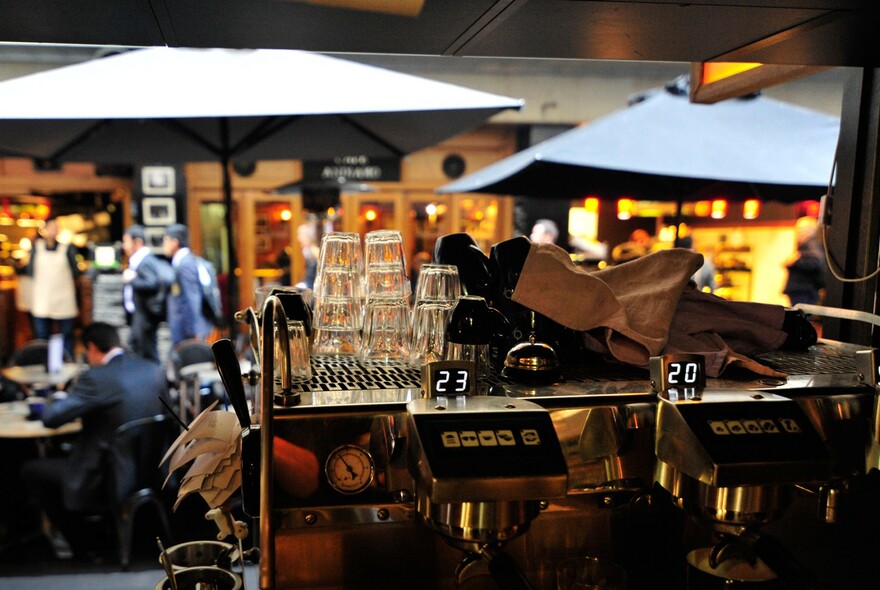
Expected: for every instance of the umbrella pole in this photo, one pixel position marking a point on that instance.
(677, 221)
(231, 278)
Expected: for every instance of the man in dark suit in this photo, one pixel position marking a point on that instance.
(185, 316)
(147, 281)
(116, 389)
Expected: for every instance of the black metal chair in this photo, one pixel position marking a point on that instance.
(134, 479)
(192, 373)
(33, 352)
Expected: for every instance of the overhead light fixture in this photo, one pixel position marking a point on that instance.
(703, 208)
(625, 209)
(751, 209)
(719, 209)
(716, 81)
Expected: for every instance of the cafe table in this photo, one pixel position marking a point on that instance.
(192, 377)
(35, 376)
(14, 423)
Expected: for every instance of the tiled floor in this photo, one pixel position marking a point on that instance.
(109, 580)
(27, 561)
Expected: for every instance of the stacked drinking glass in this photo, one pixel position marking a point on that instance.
(437, 289)
(338, 315)
(386, 336)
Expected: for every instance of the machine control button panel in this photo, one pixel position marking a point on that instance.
(744, 431)
(490, 444)
(757, 427)
(489, 438)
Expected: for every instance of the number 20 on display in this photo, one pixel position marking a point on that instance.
(684, 373)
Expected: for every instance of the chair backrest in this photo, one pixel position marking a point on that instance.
(33, 352)
(134, 454)
(189, 352)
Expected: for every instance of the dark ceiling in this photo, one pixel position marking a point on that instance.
(812, 32)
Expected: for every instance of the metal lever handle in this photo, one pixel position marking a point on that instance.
(839, 313)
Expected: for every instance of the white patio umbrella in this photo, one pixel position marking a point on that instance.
(170, 104)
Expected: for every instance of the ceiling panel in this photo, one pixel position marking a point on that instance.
(295, 25)
(630, 31)
(813, 32)
(89, 22)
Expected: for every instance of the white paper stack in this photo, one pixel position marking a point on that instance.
(213, 446)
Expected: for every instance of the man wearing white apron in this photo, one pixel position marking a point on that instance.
(54, 271)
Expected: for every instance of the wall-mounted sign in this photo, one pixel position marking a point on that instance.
(352, 168)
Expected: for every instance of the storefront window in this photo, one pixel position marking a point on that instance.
(213, 231)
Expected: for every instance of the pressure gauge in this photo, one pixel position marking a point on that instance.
(349, 469)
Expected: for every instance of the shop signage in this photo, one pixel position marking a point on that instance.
(352, 169)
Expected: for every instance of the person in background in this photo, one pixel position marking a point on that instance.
(117, 388)
(24, 293)
(147, 280)
(185, 316)
(282, 261)
(705, 277)
(544, 231)
(638, 245)
(53, 271)
(307, 235)
(806, 266)
(419, 259)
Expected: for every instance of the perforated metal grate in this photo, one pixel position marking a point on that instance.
(821, 359)
(351, 375)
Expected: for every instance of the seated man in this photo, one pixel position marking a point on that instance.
(117, 388)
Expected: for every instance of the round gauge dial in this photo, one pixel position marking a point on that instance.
(349, 469)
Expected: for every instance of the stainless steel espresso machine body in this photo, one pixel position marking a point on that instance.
(377, 487)
(368, 483)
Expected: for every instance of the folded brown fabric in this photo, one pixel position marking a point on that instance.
(647, 307)
(634, 302)
(726, 332)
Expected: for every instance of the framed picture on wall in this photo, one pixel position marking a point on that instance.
(158, 180)
(153, 238)
(159, 210)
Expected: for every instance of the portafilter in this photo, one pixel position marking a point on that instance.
(482, 466)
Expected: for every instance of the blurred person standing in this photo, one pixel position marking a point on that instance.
(544, 231)
(186, 318)
(806, 266)
(147, 281)
(705, 277)
(307, 235)
(53, 271)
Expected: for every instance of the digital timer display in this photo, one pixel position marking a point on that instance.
(678, 371)
(451, 381)
(684, 374)
(445, 378)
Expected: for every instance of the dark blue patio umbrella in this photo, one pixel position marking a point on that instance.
(664, 147)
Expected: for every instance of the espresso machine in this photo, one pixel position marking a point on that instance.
(372, 478)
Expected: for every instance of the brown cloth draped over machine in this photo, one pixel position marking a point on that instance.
(648, 307)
